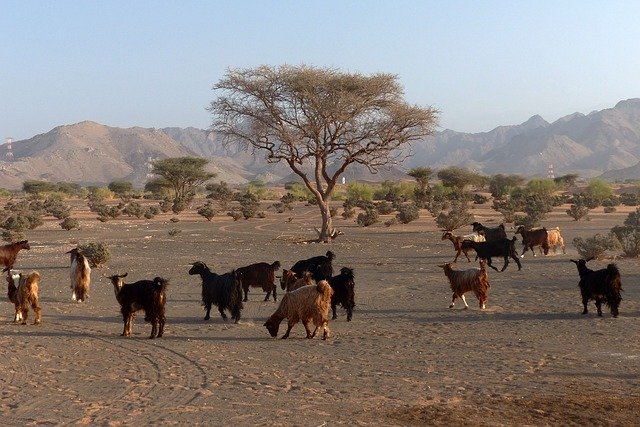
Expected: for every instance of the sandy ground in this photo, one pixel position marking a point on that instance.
(531, 358)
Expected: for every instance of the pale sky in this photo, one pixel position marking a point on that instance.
(153, 63)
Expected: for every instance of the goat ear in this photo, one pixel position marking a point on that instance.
(123, 275)
(573, 261)
(589, 259)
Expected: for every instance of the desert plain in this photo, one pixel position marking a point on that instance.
(530, 358)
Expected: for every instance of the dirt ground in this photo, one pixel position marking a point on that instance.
(531, 358)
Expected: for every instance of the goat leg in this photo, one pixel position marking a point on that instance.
(290, 326)
(306, 328)
(599, 306)
(349, 312)
(161, 326)
(333, 309)
(222, 313)
(154, 329)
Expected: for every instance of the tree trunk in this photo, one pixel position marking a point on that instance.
(327, 221)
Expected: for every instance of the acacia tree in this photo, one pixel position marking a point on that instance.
(182, 175)
(319, 121)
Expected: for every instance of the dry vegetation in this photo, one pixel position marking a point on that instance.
(530, 358)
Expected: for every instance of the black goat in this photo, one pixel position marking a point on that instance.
(259, 275)
(498, 248)
(343, 286)
(531, 238)
(602, 285)
(319, 266)
(147, 295)
(490, 234)
(222, 290)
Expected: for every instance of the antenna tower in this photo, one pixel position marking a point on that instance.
(9, 154)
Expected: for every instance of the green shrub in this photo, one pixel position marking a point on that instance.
(630, 199)
(97, 253)
(207, 211)
(384, 208)
(69, 224)
(479, 199)
(174, 232)
(12, 236)
(236, 215)
(596, 246)
(577, 211)
(609, 209)
(367, 218)
(408, 213)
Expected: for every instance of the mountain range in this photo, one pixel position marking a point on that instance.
(602, 143)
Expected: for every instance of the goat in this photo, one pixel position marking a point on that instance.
(343, 286)
(473, 280)
(80, 274)
(23, 295)
(287, 279)
(306, 304)
(554, 238)
(457, 242)
(503, 247)
(602, 285)
(147, 295)
(8, 253)
(533, 237)
(490, 234)
(259, 275)
(320, 266)
(222, 290)
(305, 280)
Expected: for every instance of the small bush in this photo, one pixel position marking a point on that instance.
(69, 224)
(207, 211)
(609, 209)
(367, 218)
(12, 236)
(348, 213)
(630, 199)
(174, 232)
(174, 219)
(385, 208)
(479, 199)
(577, 211)
(596, 246)
(629, 238)
(97, 253)
(408, 213)
(390, 222)
(236, 215)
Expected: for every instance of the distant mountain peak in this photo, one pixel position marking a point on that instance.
(628, 103)
(535, 121)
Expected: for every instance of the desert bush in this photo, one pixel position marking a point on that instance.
(458, 216)
(348, 213)
(630, 199)
(407, 213)
(207, 211)
(479, 199)
(357, 191)
(165, 205)
(99, 194)
(174, 232)
(367, 218)
(57, 208)
(596, 246)
(629, 239)
(279, 207)
(122, 189)
(133, 209)
(151, 211)
(13, 236)
(577, 211)
(384, 207)
(390, 222)
(507, 207)
(333, 211)
(236, 215)
(249, 205)
(609, 209)
(69, 224)
(174, 219)
(97, 253)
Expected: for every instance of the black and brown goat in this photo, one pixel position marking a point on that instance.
(259, 275)
(602, 286)
(8, 253)
(457, 242)
(22, 290)
(147, 295)
(80, 275)
(504, 248)
(532, 238)
(344, 292)
(221, 290)
(473, 280)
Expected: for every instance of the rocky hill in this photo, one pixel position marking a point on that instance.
(90, 153)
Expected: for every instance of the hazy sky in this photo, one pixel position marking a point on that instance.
(153, 63)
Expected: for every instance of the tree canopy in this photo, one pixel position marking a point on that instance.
(182, 175)
(319, 121)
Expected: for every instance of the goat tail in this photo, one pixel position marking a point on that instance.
(276, 265)
(324, 288)
(160, 283)
(32, 281)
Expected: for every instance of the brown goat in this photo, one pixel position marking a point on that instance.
(23, 295)
(306, 304)
(259, 275)
(80, 275)
(305, 280)
(473, 280)
(457, 242)
(8, 253)
(287, 279)
(554, 238)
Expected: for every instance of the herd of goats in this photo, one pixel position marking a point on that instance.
(602, 286)
(310, 285)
